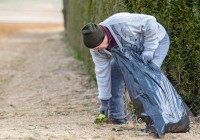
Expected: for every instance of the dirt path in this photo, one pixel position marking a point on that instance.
(45, 95)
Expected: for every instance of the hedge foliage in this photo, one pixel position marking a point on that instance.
(181, 18)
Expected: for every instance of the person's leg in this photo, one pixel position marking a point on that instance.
(161, 51)
(116, 102)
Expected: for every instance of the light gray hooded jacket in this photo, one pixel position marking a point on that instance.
(139, 31)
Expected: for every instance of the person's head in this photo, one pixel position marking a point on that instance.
(94, 37)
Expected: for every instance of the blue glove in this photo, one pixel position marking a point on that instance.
(147, 55)
(104, 107)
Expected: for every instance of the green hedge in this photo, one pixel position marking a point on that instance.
(181, 19)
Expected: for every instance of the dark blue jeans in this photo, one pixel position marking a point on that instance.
(116, 103)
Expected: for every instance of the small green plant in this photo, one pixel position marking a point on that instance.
(100, 119)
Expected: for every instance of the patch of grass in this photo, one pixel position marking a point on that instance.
(19, 61)
(3, 80)
(76, 55)
(29, 138)
(58, 111)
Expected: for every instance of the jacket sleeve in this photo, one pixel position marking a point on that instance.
(150, 31)
(103, 74)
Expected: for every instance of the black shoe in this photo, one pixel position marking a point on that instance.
(152, 131)
(117, 121)
(146, 119)
(146, 129)
(149, 124)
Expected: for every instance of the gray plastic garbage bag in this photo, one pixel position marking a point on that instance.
(147, 85)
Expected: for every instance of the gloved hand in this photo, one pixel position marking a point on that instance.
(104, 107)
(147, 55)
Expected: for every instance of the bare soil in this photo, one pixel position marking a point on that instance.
(46, 95)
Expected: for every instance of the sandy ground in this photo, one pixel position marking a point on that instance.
(46, 95)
